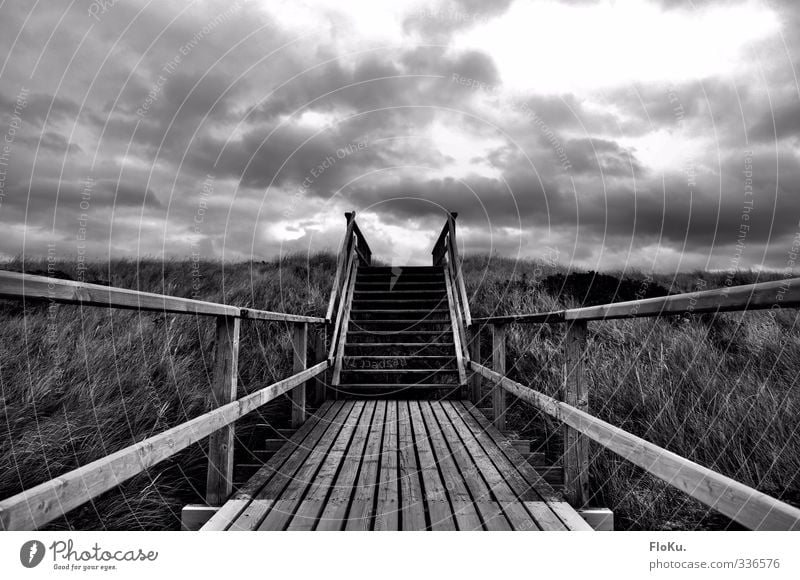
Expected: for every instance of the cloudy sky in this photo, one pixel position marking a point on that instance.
(657, 135)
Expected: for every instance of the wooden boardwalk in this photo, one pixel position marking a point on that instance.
(397, 465)
(397, 449)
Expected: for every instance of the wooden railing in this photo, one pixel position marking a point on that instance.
(735, 500)
(47, 501)
(445, 254)
(354, 251)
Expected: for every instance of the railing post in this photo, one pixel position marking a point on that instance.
(320, 354)
(499, 366)
(575, 393)
(299, 346)
(219, 483)
(475, 355)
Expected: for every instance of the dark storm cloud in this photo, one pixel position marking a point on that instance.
(273, 111)
(603, 157)
(53, 142)
(44, 196)
(780, 123)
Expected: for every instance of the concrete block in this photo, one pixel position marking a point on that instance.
(601, 519)
(194, 516)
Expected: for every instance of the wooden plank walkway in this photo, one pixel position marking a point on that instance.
(397, 465)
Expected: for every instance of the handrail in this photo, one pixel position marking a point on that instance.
(15, 285)
(457, 273)
(362, 245)
(447, 247)
(353, 239)
(51, 499)
(750, 507)
(457, 328)
(763, 295)
(344, 322)
(45, 502)
(344, 250)
(337, 329)
(354, 250)
(440, 241)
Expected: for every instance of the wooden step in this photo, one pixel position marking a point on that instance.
(398, 285)
(398, 386)
(401, 268)
(400, 313)
(360, 302)
(395, 322)
(431, 292)
(434, 371)
(377, 363)
(401, 273)
(400, 376)
(405, 348)
(363, 316)
(399, 332)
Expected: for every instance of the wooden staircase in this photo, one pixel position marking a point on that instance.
(399, 339)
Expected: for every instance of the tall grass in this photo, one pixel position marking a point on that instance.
(79, 383)
(720, 390)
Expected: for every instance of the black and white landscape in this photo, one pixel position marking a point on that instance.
(513, 167)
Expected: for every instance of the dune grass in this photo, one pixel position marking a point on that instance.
(720, 390)
(76, 384)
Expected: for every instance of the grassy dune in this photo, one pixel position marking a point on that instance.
(76, 384)
(720, 390)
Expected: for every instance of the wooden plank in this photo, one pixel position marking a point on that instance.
(526, 493)
(220, 521)
(234, 507)
(438, 247)
(341, 260)
(362, 242)
(35, 507)
(320, 354)
(763, 295)
(387, 505)
(263, 489)
(458, 278)
(337, 327)
(533, 488)
(295, 489)
(253, 314)
(299, 350)
(556, 317)
(462, 375)
(749, 507)
(321, 486)
(515, 512)
(334, 514)
(15, 285)
(412, 497)
(359, 513)
(464, 509)
(499, 365)
(780, 293)
(490, 511)
(345, 324)
(439, 510)
(475, 354)
(450, 267)
(219, 480)
(575, 459)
